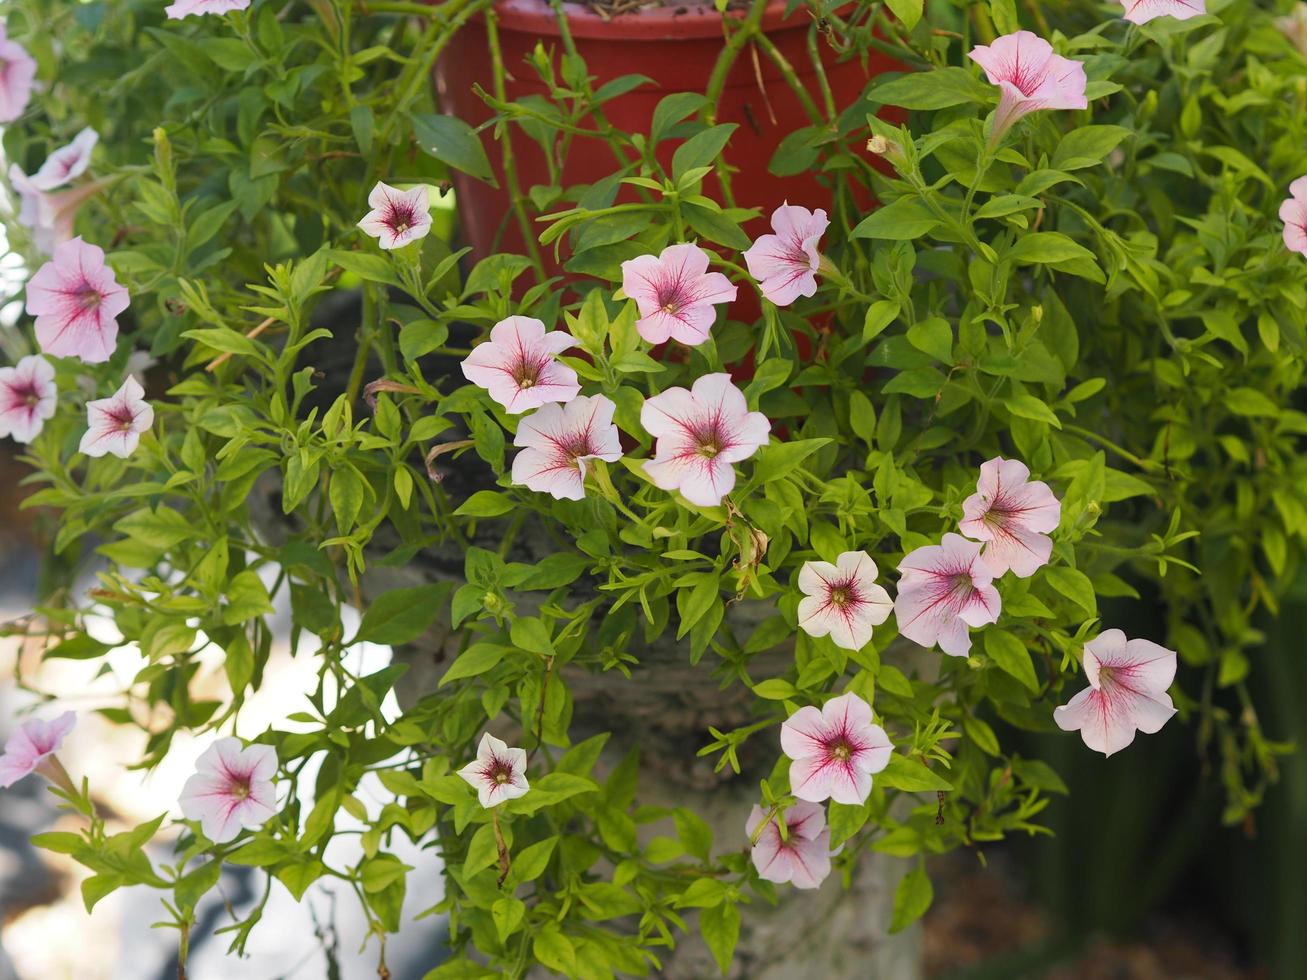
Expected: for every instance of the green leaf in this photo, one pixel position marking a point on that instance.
(1087, 146)
(1029, 407)
(911, 899)
(910, 776)
(934, 337)
(1044, 247)
(1075, 585)
(936, 89)
(907, 11)
(901, 220)
(720, 926)
(476, 659)
(1250, 402)
(453, 142)
(694, 832)
(780, 458)
(672, 109)
(486, 503)
(373, 268)
(402, 615)
(701, 149)
(381, 871)
(554, 950)
(507, 914)
(1011, 656)
(530, 864)
(297, 877)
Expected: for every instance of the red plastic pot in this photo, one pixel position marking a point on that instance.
(677, 47)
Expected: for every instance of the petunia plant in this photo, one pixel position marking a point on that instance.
(726, 548)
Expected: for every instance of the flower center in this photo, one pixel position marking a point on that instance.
(840, 595)
(842, 750)
(402, 219)
(709, 450)
(1105, 675)
(240, 789)
(89, 298)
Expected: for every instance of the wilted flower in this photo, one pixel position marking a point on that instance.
(76, 300)
(32, 746)
(1142, 11)
(1013, 515)
(1030, 77)
(1293, 212)
(116, 423)
(835, 750)
(843, 600)
(232, 789)
(1127, 691)
(558, 439)
(803, 857)
(67, 163)
(186, 8)
(785, 263)
(700, 433)
(498, 774)
(27, 397)
(675, 293)
(17, 69)
(397, 217)
(945, 588)
(518, 365)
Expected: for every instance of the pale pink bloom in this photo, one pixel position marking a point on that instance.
(785, 263)
(1293, 212)
(675, 293)
(1127, 691)
(49, 216)
(498, 774)
(232, 789)
(17, 70)
(518, 365)
(76, 300)
(185, 8)
(835, 750)
(943, 589)
(843, 600)
(116, 423)
(557, 440)
(700, 433)
(397, 217)
(1294, 27)
(1142, 11)
(1013, 515)
(803, 857)
(1030, 77)
(27, 397)
(27, 749)
(67, 163)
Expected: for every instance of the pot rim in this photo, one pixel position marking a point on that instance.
(667, 23)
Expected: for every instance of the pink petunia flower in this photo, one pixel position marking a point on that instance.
(17, 70)
(803, 857)
(1030, 77)
(1142, 11)
(76, 300)
(1293, 212)
(49, 216)
(843, 600)
(27, 398)
(785, 263)
(187, 8)
(498, 774)
(116, 423)
(558, 439)
(518, 365)
(1013, 515)
(700, 433)
(397, 217)
(1127, 691)
(32, 748)
(67, 163)
(675, 293)
(945, 588)
(835, 750)
(232, 789)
